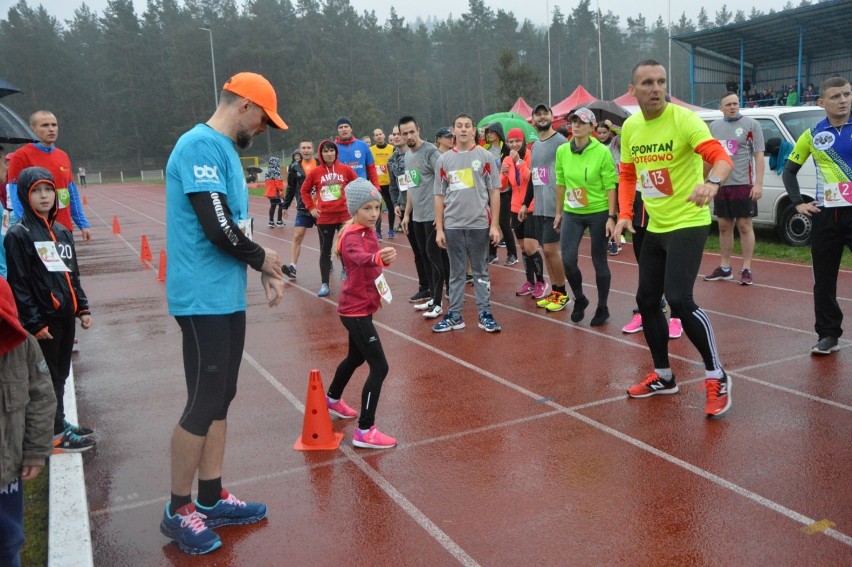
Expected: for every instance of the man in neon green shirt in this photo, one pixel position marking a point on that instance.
(663, 147)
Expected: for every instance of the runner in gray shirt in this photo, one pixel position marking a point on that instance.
(736, 201)
(467, 209)
(420, 161)
(542, 187)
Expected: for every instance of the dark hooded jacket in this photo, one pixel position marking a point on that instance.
(27, 401)
(328, 183)
(41, 294)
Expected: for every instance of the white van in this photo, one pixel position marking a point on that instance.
(774, 209)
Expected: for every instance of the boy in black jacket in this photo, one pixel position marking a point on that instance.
(43, 274)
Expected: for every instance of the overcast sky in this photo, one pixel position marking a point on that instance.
(535, 10)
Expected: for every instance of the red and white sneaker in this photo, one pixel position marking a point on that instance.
(372, 439)
(651, 386)
(718, 395)
(634, 326)
(675, 328)
(340, 410)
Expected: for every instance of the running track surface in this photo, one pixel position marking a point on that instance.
(515, 448)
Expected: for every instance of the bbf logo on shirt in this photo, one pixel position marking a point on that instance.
(823, 141)
(206, 174)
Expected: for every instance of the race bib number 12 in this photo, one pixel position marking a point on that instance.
(656, 183)
(577, 198)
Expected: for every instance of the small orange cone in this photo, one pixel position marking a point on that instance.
(116, 228)
(317, 434)
(85, 200)
(161, 273)
(146, 250)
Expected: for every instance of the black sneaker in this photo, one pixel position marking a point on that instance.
(67, 442)
(271, 225)
(289, 271)
(491, 260)
(826, 345)
(78, 429)
(613, 248)
(601, 317)
(579, 309)
(468, 279)
(420, 296)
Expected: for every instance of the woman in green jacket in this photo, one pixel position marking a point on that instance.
(585, 185)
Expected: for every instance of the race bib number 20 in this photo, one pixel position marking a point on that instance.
(656, 183)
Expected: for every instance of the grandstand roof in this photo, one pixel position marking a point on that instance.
(774, 37)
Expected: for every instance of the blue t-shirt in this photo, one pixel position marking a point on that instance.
(200, 278)
(356, 155)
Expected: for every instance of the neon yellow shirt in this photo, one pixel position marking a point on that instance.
(667, 167)
(381, 156)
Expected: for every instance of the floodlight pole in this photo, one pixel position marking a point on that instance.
(213, 64)
(600, 55)
(549, 99)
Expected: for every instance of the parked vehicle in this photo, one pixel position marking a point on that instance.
(781, 124)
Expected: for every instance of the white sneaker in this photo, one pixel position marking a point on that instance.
(423, 306)
(433, 312)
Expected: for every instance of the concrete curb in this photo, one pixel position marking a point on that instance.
(69, 532)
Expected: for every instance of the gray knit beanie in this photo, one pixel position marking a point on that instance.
(359, 193)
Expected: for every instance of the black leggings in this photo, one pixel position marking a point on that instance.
(276, 202)
(386, 197)
(437, 262)
(670, 263)
(505, 226)
(212, 353)
(57, 355)
(326, 236)
(364, 345)
(571, 233)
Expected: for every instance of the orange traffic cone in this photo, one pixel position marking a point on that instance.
(146, 250)
(161, 273)
(317, 434)
(116, 228)
(85, 200)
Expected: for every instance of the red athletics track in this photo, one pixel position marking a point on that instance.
(515, 448)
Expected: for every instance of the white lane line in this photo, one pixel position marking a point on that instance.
(428, 525)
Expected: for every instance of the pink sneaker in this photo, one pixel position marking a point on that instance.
(525, 289)
(539, 290)
(634, 326)
(373, 439)
(675, 328)
(340, 410)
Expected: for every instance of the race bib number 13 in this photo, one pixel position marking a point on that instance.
(656, 183)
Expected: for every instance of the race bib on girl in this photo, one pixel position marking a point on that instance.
(577, 198)
(330, 192)
(656, 183)
(838, 194)
(384, 288)
(52, 253)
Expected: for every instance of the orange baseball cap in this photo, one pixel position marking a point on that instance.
(257, 89)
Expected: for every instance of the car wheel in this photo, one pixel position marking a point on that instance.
(795, 228)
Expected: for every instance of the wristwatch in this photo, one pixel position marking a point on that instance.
(714, 180)
(614, 217)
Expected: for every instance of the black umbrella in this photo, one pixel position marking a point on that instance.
(6, 89)
(607, 110)
(13, 130)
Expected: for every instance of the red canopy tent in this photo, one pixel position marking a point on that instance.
(628, 99)
(521, 107)
(579, 97)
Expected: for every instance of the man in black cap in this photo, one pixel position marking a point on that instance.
(354, 152)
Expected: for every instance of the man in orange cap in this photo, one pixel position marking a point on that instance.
(208, 240)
